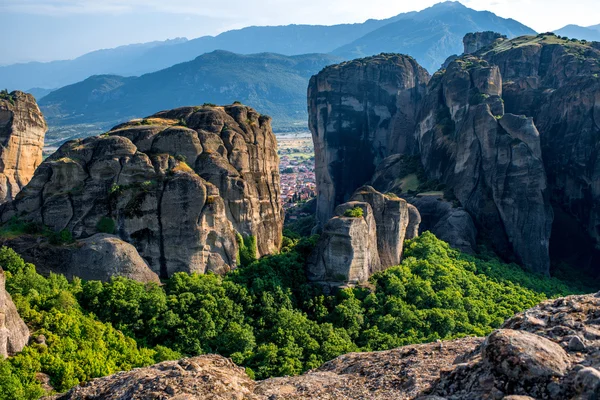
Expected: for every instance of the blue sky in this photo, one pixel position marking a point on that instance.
(43, 30)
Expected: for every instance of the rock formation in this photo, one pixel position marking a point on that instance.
(22, 131)
(354, 247)
(476, 41)
(548, 352)
(179, 186)
(98, 257)
(542, 75)
(491, 161)
(14, 334)
(500, 176)
(359, 113)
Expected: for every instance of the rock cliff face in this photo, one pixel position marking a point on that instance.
(14, 334)
(557, 82)
(548, 352)
(491, 161)
(512, 170)
(359, 113)
(179, 186)
(22, 131)
(352, 248)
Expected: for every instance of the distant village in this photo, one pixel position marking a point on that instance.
(297, 168)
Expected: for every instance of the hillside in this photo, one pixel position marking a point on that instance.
(430, 36)
(274, 84)
(591, 33)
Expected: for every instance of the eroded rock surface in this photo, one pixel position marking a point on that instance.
(360, 112)
(14, 334)
(179, 186)
(22, 131)
(352, 248)
(476, 41)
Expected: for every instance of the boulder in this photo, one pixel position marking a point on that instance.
(14, 334)
(103, 256)
(360, 112)
(523, 356)
(22, 131)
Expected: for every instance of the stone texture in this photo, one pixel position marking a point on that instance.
(347, 249)
(22, 131)
(524, 357)
(14, 334)
(490, 161)
(476, 41)
(103, 256)
(360, 112)
(177, 193)
(391, 219)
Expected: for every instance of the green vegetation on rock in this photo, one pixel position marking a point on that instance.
(355, 212)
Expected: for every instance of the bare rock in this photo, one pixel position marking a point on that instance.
(14, 334)
(474, 42)
(361, 111)
(103, 256)
(391, 218)
(347, 250)
(208, 377)
(178, 186)
(522, 356)
(414, 222)
(22, 131)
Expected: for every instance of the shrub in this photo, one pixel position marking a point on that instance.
(247, 249)
(106, 225)
(355, 212)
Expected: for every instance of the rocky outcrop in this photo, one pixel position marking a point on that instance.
(360, 112)
(391, 220)
(22, 131)
(354, 246)
(347, 249)
(179, 186)
(476, 41)
(98, 257)
(556, 82)
(491, 161)
(14, 334)
(547, 352)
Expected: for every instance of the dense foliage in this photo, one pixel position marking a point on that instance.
(78, 347)
(265, 315)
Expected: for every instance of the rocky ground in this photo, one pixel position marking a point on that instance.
(551, 351)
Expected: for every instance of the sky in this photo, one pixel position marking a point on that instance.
(45, 30)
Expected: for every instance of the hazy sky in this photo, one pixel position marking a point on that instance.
(43, 30)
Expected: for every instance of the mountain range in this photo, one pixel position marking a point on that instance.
(591, 33)
(429, 35)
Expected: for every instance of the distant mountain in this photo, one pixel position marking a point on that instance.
(273, 84)
(431, 35)
(591, 33)
(38, 93)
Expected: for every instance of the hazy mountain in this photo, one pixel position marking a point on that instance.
(431, 35)
(120, 60)
(591, 33)
(273, 84)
